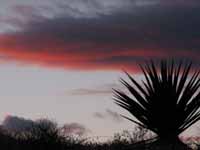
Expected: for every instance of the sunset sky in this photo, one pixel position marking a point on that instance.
(60, 59)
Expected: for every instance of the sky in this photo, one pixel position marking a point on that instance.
(60, 59)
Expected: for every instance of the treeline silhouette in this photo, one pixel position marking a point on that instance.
(46, 135)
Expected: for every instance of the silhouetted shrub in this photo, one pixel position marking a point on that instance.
(167, 102)
(46, 135)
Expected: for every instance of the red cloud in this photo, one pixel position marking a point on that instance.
(49, 52)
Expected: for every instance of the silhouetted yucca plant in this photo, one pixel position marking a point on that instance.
(167, 102)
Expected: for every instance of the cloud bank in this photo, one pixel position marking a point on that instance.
(102, 35)
(20, 124)
(14, 123)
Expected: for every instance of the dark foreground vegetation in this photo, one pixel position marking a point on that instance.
(49, 136)
(167, 102)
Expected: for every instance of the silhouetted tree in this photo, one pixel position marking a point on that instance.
(167, 102)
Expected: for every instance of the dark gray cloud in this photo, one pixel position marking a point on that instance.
(20, 124)
(14, 123)
(109, 114)
(114, 115)
(115, 34)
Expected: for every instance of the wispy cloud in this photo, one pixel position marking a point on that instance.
(106, 89)
(90, 92)
(99, 115)
(109, 114)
